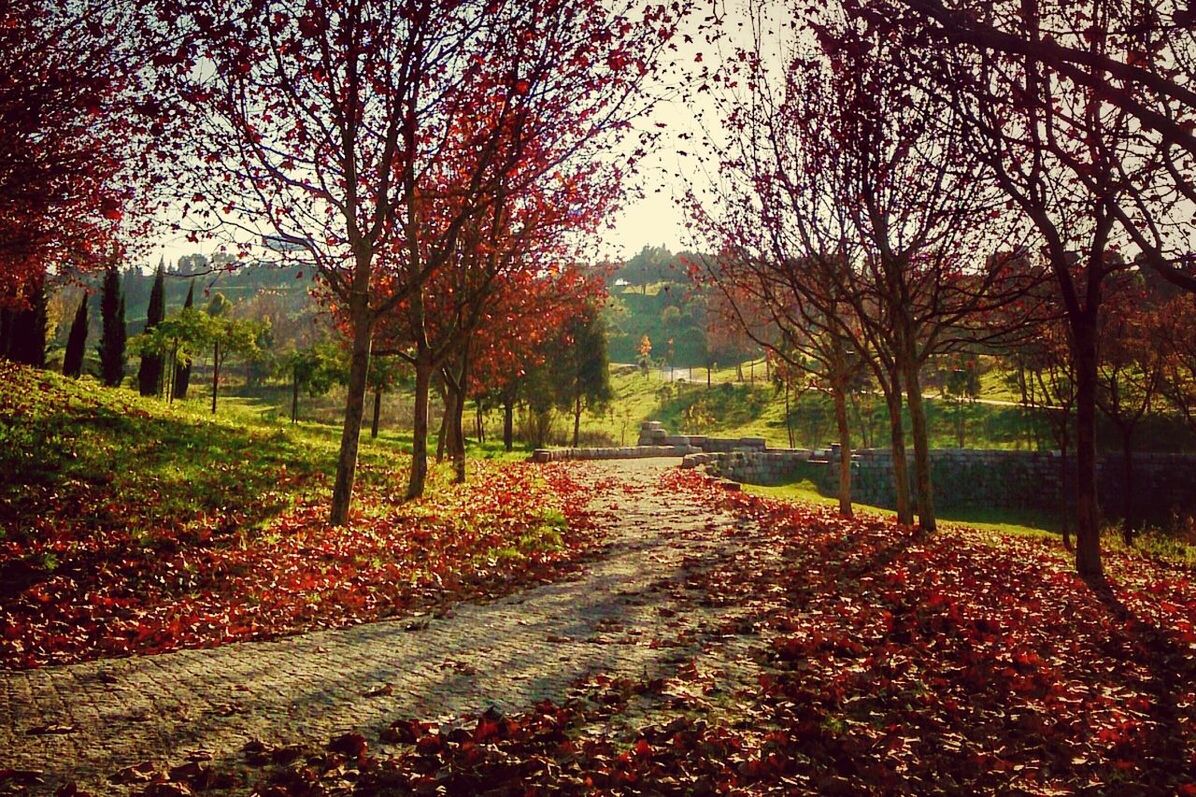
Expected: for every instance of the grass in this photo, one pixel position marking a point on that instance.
(1004, 521)
(62, 439)
(1175, 547)
(731, 408)
(128, 525)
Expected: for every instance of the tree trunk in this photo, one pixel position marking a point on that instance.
(905, 514)
(215, 374)
(480, 421)
(508, 422)
(458, 435)
(377, 414)
(1127, 464)
(359, 367)
(844, 451)
(1064, 515)
(295, 394)
(174, 364)
(1088, 562)
(419, 430)
(576, 419)
(917, 417)
(445, 444)
(708, 377)
(789, 418)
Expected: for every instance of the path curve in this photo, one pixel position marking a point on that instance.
(611, 617)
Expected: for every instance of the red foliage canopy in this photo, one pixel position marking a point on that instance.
(65, 85)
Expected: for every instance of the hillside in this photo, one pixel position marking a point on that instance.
(132, 526)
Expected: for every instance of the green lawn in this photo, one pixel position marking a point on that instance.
(1177, 546)
(998, 520)
(732, 408)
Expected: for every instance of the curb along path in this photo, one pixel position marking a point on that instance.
(625, 613)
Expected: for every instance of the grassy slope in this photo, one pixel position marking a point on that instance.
(740, 409)
(132, 526)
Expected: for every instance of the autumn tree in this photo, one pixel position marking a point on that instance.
(71, 165)
(852, 206)
(362, 137)
(520, 334)
(1133, 59)
(644, 350)
(1177, 330)
(1065, 155)
(1130, 372)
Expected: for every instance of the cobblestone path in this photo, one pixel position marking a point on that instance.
(627, 612)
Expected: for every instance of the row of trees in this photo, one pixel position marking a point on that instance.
(429, 160)
(433, 162)
(906, 180)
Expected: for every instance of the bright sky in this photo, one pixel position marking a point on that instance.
(655, 218)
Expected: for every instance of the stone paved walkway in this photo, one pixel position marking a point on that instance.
(612, 617)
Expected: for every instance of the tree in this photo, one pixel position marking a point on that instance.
(112, 336)
(399, 120)
(76, 342)
(71, 157)
(960, 386)
(1129, 373)
(182, 368)
(644, 350)
(851, 206)
(1062, 155)
(1049, 388)
(1177, 329)
(149, 375)
(386, 373)
(27, 326)
(582, 371)
(227, 335)
(1133, 59)
(650, 264)
(519, 336)
(188, 332)
(314, 369)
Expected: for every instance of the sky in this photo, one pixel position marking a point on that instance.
(653, 219)
(651, 216)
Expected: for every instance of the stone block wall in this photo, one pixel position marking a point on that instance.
(1164, 484)
(626, 452)
(772, 466)
(653, 433)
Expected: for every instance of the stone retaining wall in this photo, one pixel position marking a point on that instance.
(773, 466)
(1164, 484)
(652, 433)
(626, 452)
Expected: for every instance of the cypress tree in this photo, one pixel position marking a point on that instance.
(150, 372)
(182, 374)
(76, 342)
(112, 340)
(27, 335)
(5, 328)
